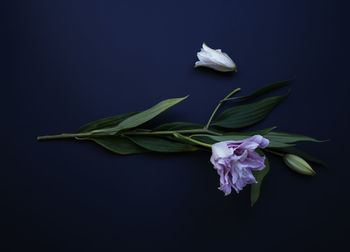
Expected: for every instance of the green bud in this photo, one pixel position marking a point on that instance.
(298, 164)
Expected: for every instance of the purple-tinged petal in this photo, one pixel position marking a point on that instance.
(221, 150)
(235, 161)
(226, 189)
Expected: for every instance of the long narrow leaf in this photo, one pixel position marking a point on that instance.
(142, 117)
(104, 123)
(251, 133)
(178, 126)
(159, 144)
(118, 144)
(289, 138)
(264, 90)
(237, 137)
(256, 188)
(248, 114)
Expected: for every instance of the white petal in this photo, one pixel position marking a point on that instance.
(207, 48)
(210, 65)
(215, 59)
(200, 63)
(218, 57)
(203, 56)
(217, 67)
(221, 150)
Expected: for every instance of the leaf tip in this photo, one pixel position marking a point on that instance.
(183, 98)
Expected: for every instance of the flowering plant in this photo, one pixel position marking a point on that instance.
(237, 155)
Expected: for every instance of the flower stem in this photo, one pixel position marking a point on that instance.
(87, 134)
(64, 135)
(192, 140)
(171, 132)
(219, 105)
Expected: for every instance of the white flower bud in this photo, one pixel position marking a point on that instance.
(298, 164)
(215, 59)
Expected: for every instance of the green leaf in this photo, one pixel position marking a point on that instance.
(262, 132)
(250, 133)
(104, 123)
(204, 138)
(259, 176)
(178, 126)
(118, 144)
(264, 90)
(289, 138)
(276, 144)
(236, 137)
(306, 156)
(248, 114)
(158, 144)
(210, 139)
(142, 117)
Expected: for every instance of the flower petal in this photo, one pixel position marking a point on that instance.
(235, 161)
(221, 150)
(215, 59)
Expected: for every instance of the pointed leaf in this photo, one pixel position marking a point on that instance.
(289, 137)
(204, 138)
(250, 133)
(159, 144)
(104, 123)
(264, 90)
(142, 117)
(276, 144)
(259, 176)
(248, 114)
(262, 132)
(178, 126)
(118, 144)
(236, 137)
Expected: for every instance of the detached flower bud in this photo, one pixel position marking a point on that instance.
(298, 164)
(215, 59)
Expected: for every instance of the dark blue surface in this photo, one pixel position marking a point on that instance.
(70, 62)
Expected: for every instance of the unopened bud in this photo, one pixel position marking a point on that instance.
(215, 59)
(298, 164)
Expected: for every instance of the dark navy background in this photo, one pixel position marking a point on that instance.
(66, 63)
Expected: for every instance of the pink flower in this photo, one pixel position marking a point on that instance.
(235, 161)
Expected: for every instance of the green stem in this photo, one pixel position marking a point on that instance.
(191, 140)
(87, 134)
(64, 135)
(219, 105)
(171, 132)
(274, 152)
(229, 99)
